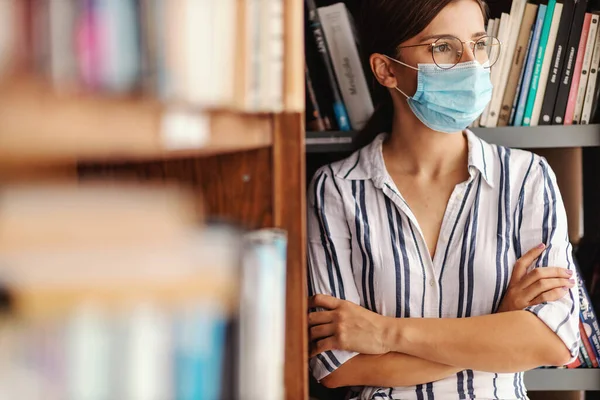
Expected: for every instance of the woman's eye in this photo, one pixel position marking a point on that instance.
(442, 48)
(480, 45)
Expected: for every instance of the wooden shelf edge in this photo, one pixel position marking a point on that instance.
(563, 379)
(40, 126)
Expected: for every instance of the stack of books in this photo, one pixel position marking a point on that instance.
(547, 71)
(120, 293)
(206, 53)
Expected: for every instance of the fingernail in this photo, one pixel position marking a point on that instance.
(569, 272)
(541, 246)
(572, 281)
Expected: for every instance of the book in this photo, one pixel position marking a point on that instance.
(339, 109)
(539, 60)
(506, 58)
(589, 321)
(566, 76)
(546, 65)
(529, 66)
(314, 120)
(585, 348)
(577, 70)
(493, 28)
(513, 110)
(490, 113)
(262, 316)
(558, 61)
(585, 69)
(518, 61)
(592, 82)
(337, 26)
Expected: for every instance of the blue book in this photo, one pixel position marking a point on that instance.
(588, 317)
(531, 57)
(199, 352)
(513, 110)
(541, 52)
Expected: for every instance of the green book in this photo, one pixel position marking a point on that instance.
(539, 60)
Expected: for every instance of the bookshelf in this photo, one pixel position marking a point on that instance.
(562, 380)
(538, 137)
(247, 168)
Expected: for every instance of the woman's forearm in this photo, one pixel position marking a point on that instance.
(387, 370)
(506, 342)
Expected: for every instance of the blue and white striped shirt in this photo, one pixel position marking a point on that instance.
(365, 246)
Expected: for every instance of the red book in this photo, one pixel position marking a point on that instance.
(588, 346)
(577, 71)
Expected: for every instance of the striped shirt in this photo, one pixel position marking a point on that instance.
(365, 246)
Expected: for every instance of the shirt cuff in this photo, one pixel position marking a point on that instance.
(325, 363)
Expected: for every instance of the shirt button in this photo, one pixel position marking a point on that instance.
(432, 283)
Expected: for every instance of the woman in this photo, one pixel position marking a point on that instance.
(440, 263)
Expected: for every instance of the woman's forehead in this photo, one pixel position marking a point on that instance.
(462, 18)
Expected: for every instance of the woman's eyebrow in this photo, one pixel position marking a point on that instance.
(438, 36)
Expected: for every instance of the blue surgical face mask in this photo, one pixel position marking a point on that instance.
(449, 100)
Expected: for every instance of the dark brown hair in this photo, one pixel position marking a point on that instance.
(382, 26)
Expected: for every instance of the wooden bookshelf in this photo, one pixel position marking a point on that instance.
(39, 125)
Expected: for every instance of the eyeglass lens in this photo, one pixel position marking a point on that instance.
(447, 51)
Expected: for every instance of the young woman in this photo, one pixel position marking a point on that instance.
(439, 264)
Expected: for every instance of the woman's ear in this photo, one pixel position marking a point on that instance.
(382, 70)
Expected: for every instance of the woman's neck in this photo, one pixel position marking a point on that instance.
(413, 149)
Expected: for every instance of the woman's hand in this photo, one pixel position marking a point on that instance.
(538, 286)
(345, 326)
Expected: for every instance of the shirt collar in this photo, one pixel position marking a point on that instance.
(367, 163)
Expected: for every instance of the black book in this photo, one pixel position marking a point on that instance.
(570, 58)
(314, 119)
(558, 60)
(339, 109)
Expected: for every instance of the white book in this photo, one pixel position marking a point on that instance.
(8, 18)
(592, 81)
(506, 56)
(545, 73)
(587, 60)
(271, 44)
(492, 30)
(262, 316)
(251, 35)
(224, 36)
(349, 72)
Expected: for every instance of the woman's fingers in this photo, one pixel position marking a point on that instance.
(524, 262)
(551, 295)
(323, 301)
(321, 331)
(322, 346)
(319, 318)
(544, 285)
(545, 273)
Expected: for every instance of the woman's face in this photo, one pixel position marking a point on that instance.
(462, 19)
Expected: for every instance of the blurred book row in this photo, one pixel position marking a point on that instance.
(121, 293)
(208, 53)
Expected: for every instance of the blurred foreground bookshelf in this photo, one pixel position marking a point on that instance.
(537, 137)
(243, 165)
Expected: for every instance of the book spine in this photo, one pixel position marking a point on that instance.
(574, 89)
(346, 63)
(539, 60)
(492, 109)
(526, 84)
(585, 69)
(516, 67)
(513, 110)
(592, 80)
(537, 107)
(317, 30)
(516, 18)
(315, 121)
(589, 356)
(589, 319)
(557, 64)
(566, 76)
(492, 30)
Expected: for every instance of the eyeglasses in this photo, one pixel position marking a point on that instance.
(447, 51)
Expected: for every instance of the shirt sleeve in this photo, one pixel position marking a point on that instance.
(541, 218)
(329, 257)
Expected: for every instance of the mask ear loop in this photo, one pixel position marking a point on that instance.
(405, 65)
